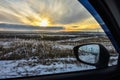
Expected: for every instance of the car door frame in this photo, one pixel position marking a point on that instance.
(110, 13)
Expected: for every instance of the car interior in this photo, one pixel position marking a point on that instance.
(59, 40)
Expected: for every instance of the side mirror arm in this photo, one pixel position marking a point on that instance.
(103, 58)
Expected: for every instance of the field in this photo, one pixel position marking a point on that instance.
(30, 54)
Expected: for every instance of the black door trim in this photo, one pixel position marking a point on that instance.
(105, 10)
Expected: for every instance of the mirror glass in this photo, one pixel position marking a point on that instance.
(89, 53)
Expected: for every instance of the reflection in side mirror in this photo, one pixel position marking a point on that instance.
(89, 53)
(92, 54)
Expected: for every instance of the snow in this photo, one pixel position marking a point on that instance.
(8, 54)
(33, 50)
(17, 68)
(62, 47)
(69, 58)
(75, 39)
(113, 60)
(5, 44)
(92, 48)
(20, 68)
(88, 58)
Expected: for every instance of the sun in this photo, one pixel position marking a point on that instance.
(44, 22)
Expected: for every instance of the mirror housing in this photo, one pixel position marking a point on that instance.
(92, 54)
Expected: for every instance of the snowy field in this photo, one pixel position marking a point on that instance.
(25, 55)
(20, 68)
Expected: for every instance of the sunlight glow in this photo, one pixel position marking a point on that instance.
(44, 22)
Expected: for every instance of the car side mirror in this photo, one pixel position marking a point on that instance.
(92, 54)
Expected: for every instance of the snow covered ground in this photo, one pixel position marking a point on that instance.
(20, 68)
(63, 47)
(55, 64)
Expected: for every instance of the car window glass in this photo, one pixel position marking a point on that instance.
(37, 37)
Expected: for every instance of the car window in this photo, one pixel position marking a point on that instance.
(37, 37)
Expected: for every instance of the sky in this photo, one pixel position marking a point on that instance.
(68, 14)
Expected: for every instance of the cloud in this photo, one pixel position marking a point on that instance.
(60, 11)
(69, 14)
(28, 27)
